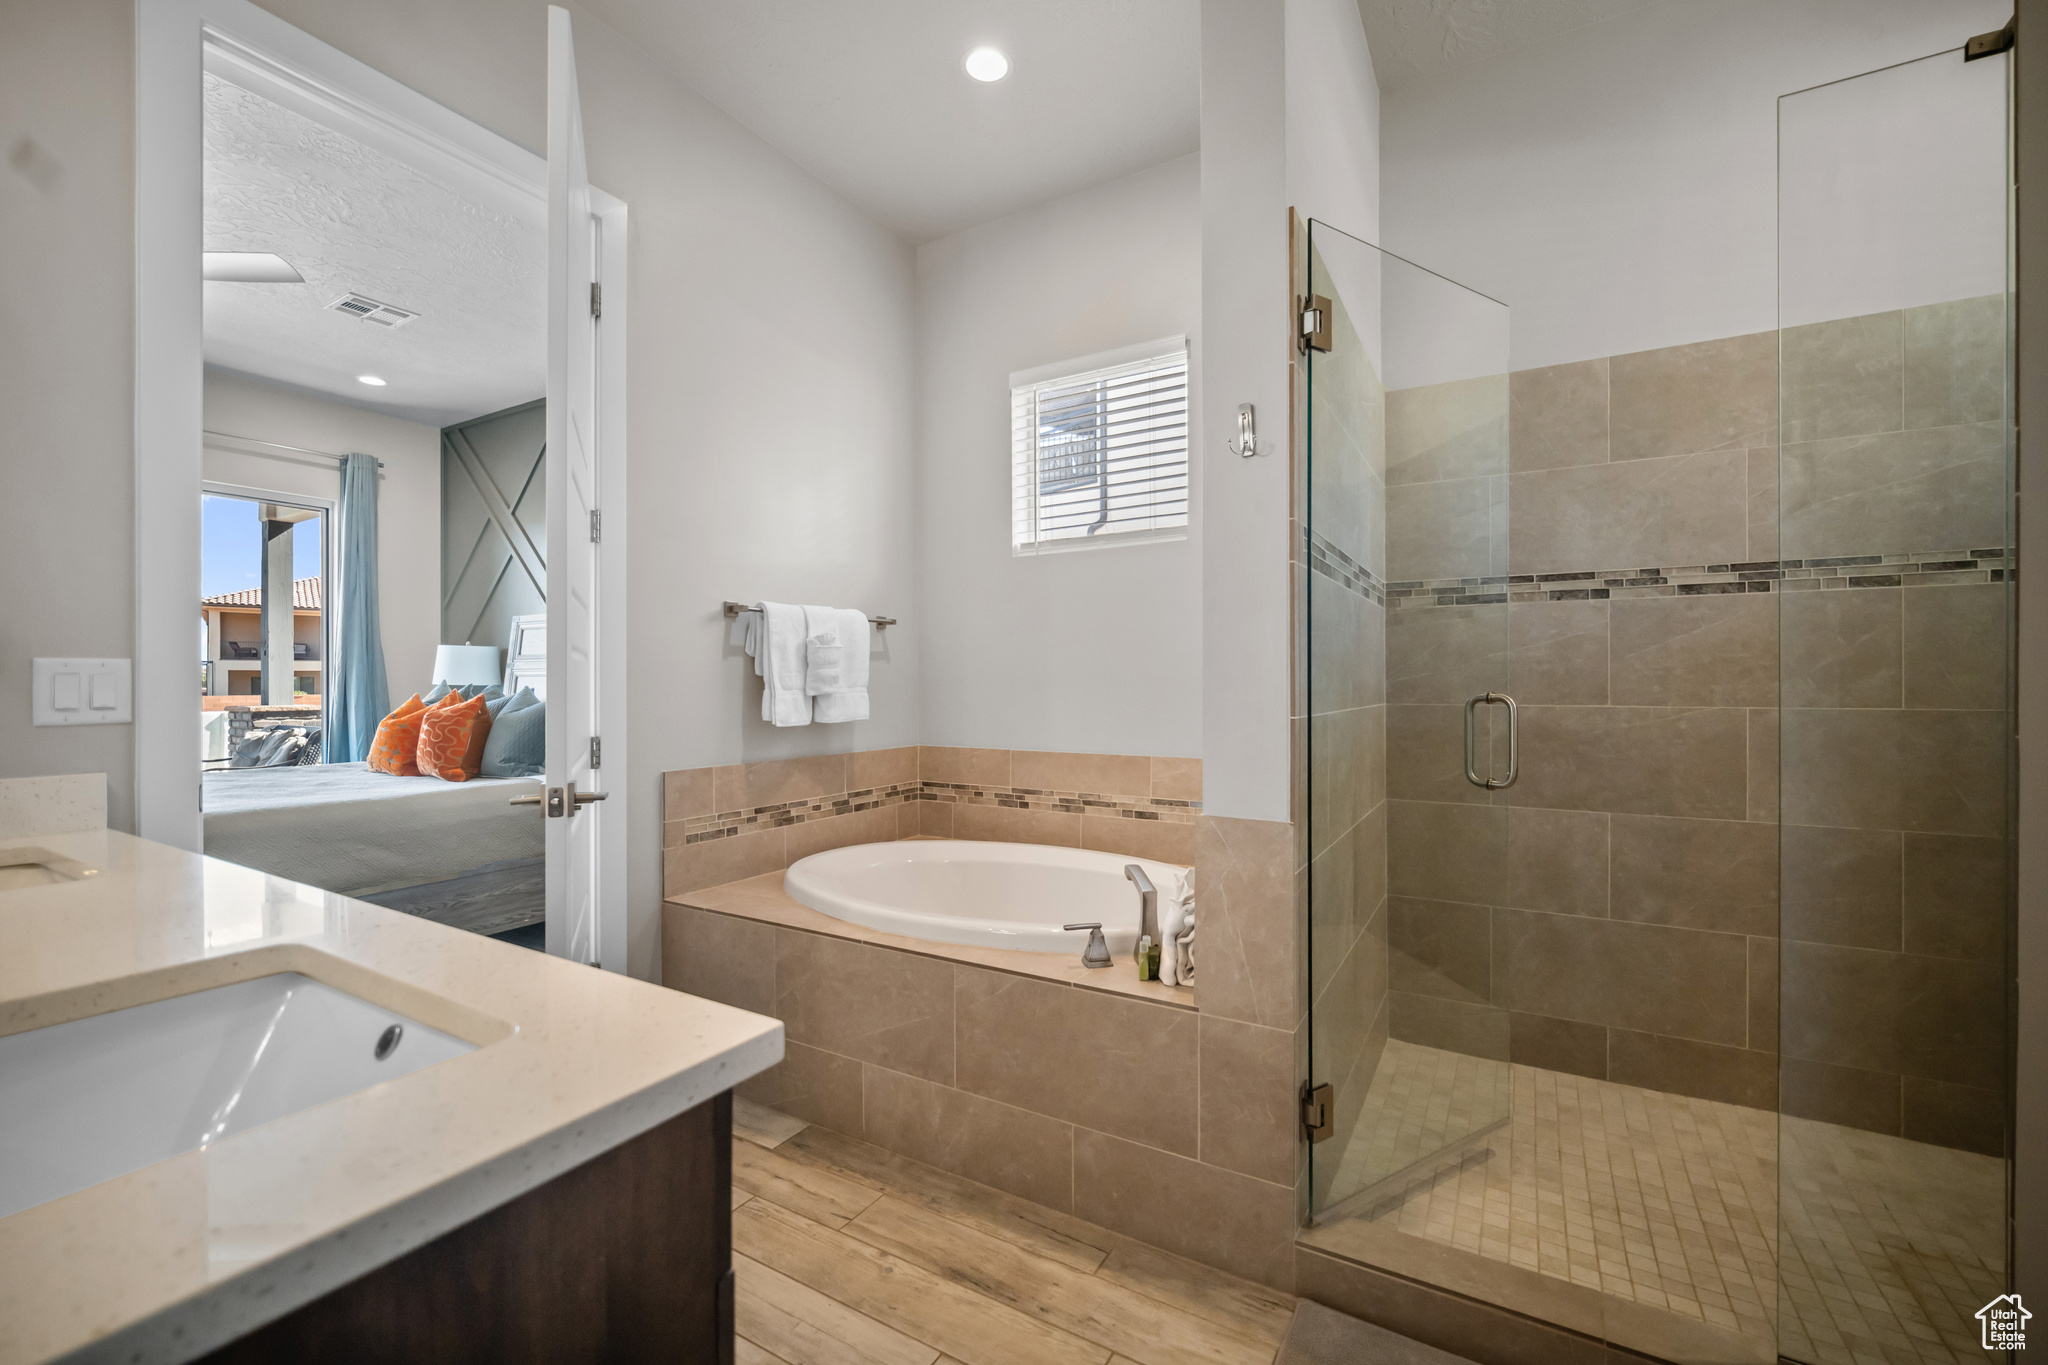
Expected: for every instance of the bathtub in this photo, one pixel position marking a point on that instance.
(979, 894)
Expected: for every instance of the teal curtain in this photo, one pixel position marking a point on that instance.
(361, 698)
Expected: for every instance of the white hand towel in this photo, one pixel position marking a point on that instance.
(1172, 910)
(821, 651)
(846, 696)
(778, 650)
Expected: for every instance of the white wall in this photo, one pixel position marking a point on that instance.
(1092, 651)
(1617, 185)
(408, 497)
(1333, 117)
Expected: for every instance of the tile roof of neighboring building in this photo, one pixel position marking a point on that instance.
(305, 596)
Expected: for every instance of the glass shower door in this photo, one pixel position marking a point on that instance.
(1895, 478)
(1403, 699)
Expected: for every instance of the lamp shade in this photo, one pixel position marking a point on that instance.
(467, 665)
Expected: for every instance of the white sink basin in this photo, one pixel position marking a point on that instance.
(85, 1101)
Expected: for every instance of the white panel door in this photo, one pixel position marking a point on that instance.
(572, 820)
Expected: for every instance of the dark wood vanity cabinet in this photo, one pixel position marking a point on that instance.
(625, 1259)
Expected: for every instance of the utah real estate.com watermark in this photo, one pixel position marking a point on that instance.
(2005, 1323)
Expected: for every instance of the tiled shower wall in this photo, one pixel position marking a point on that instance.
(1341, 834)
(1601, 539)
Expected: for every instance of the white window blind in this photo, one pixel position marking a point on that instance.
(1101, 454)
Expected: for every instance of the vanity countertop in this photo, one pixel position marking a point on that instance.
(167, 1262)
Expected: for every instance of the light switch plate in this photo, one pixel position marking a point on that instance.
(84, 692)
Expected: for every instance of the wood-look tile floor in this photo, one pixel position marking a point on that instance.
(846, 1254)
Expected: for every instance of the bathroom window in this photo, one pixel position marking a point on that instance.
(1099, 450)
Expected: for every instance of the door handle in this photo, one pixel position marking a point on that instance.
(1514, 741)
(557, 806)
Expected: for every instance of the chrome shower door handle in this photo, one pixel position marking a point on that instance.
(1489, 782)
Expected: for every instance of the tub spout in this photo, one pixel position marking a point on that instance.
(1148, 902)
(1096, 954)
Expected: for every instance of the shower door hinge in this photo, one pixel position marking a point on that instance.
(1314, 314)
(596, 526)
(1317, 1122)
(596, 299)
(596, 752)
(1991, 44)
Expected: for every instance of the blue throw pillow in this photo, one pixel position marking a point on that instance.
(440, 690)
(515, 747)
(518, 701)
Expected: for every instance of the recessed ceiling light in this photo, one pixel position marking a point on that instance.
(987, 64)
(372, 380)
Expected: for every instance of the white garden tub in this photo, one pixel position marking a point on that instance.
(981, 894)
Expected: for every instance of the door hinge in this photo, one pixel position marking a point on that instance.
(1317, 1122)
(1315, 323)
(596, 752)
(596, 525)
(1991, 44)
(596, 299)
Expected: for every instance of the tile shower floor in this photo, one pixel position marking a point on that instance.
(1671, 1202)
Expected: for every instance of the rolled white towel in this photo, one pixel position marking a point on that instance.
(842, 694)
(1175, 905)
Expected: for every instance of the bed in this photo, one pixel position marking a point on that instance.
(454, 852)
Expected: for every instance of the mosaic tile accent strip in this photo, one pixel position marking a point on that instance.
(1326, 559)
(724, 824)
(1925, 569)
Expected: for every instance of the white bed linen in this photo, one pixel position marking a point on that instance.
(343, 828)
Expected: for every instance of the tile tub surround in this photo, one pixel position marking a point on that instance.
(1085, 1091)
(728, 823)
(215, 1242)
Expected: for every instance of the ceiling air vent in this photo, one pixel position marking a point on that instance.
(369, 310)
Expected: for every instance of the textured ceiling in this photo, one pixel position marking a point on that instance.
(354, 220)
(1412, 38)
(871, 98)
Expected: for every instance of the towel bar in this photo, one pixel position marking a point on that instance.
(878, 622)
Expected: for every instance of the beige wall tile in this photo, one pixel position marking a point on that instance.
(1763, 995)
(872, 1004)
(1557, 861)
(1841, 648)
(673, 833)
(1557, 416)
(1095, 774)
(1443, 655)
(1455, 430)
(839, 831)
(1245, 869)
(1646, 977)
(1841, 378)
(1952, 1021)
(686, 792)
(1762, 465)
(1220, 1218)
(1937, 489)
(1335, 917)
(1010, 824)
(1840, 1005)
(909, 819)
(872, 768)
(1763, 781)
(1439, 948)
(1937, 772)
(1155, 839)
(1954, 896)
(1696, 874)
(935, 818)
(1964, 1116)
(1666, 512)
(1955, 362)
(1426, 754)
(714, 862)
(1460, 1026)
(1955, 646)
(1710, 395)
(1717, 649)
(1443, 530)
(1643, 760)
(783, 779)
(719, 957)
(729, 787)
(1346, 664)
(1558, 1045)
(1731, 1075)
(1347, 769)
(1015, 1150)
(1868, 1100)
(1441, 851)
(1841, 886)
(1560, 652)
(972, 767)
(1112, 1064)
(813, 1085)
(1177, 779)
(1250, 1103)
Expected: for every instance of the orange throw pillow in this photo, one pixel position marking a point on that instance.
(452, 738)
(398, 740)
